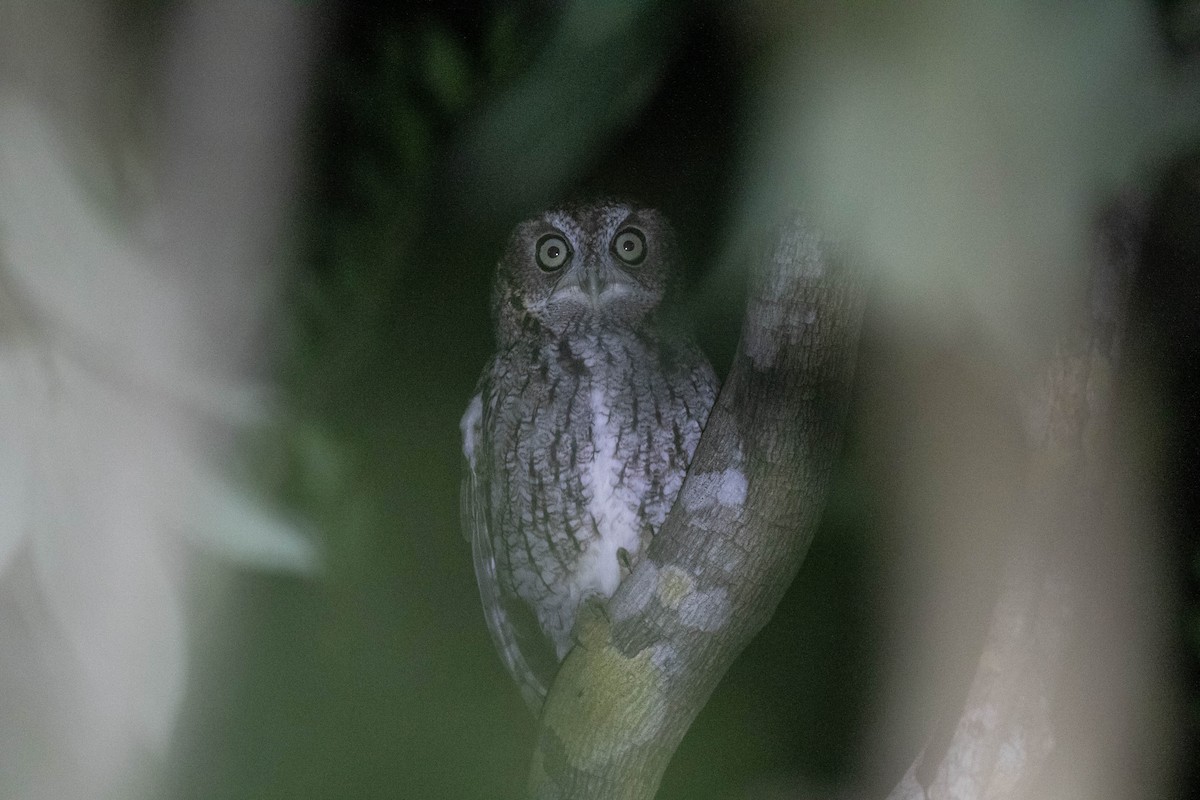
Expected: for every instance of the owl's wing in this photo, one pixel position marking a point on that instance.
(518, 644)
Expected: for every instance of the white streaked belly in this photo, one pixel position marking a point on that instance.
(612, 506)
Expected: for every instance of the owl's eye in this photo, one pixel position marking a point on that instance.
(552, 252)
(630, 246)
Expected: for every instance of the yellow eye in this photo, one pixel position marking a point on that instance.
(552, 252)
(630, 246)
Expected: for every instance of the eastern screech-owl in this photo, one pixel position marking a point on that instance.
(584, 424)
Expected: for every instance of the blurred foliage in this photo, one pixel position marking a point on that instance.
(396, 87)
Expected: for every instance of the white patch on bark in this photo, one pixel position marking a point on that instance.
(665, 657)
(725, 555)
(726, 488)
(775, 325)
(731, 491)
(707, 610)
(760, 340)
(1013, 756)
(959, 772)
(909, 788)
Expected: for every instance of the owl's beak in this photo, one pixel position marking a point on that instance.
(595, 284)
(591, 282)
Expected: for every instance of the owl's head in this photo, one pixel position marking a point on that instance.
(606, 262)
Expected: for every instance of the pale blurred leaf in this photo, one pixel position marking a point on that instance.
(16, 434)
(112, 430)
(239, 526)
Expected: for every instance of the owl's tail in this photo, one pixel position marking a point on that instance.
(504, 632)
(502, 619)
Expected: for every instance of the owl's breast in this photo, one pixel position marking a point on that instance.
(617, 481)
(591, 438)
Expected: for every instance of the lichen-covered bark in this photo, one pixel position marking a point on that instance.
(645, 665)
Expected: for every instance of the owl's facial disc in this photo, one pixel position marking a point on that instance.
(607, 263)
(601, 274)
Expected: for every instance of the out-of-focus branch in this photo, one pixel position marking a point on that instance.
(125, 352)
(1000, 742)
(714, 574)
(233, 96)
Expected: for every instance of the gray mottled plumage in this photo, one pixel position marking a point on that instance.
(583, 426)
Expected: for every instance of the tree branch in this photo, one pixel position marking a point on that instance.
(1001, 740)
(713, 575)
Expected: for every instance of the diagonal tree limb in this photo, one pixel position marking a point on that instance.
(712, 577)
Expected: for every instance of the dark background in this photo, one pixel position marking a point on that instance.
(380, 680)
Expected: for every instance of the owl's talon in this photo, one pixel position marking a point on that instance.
(592, 623)
(626, 562)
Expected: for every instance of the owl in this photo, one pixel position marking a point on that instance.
(583, 426)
